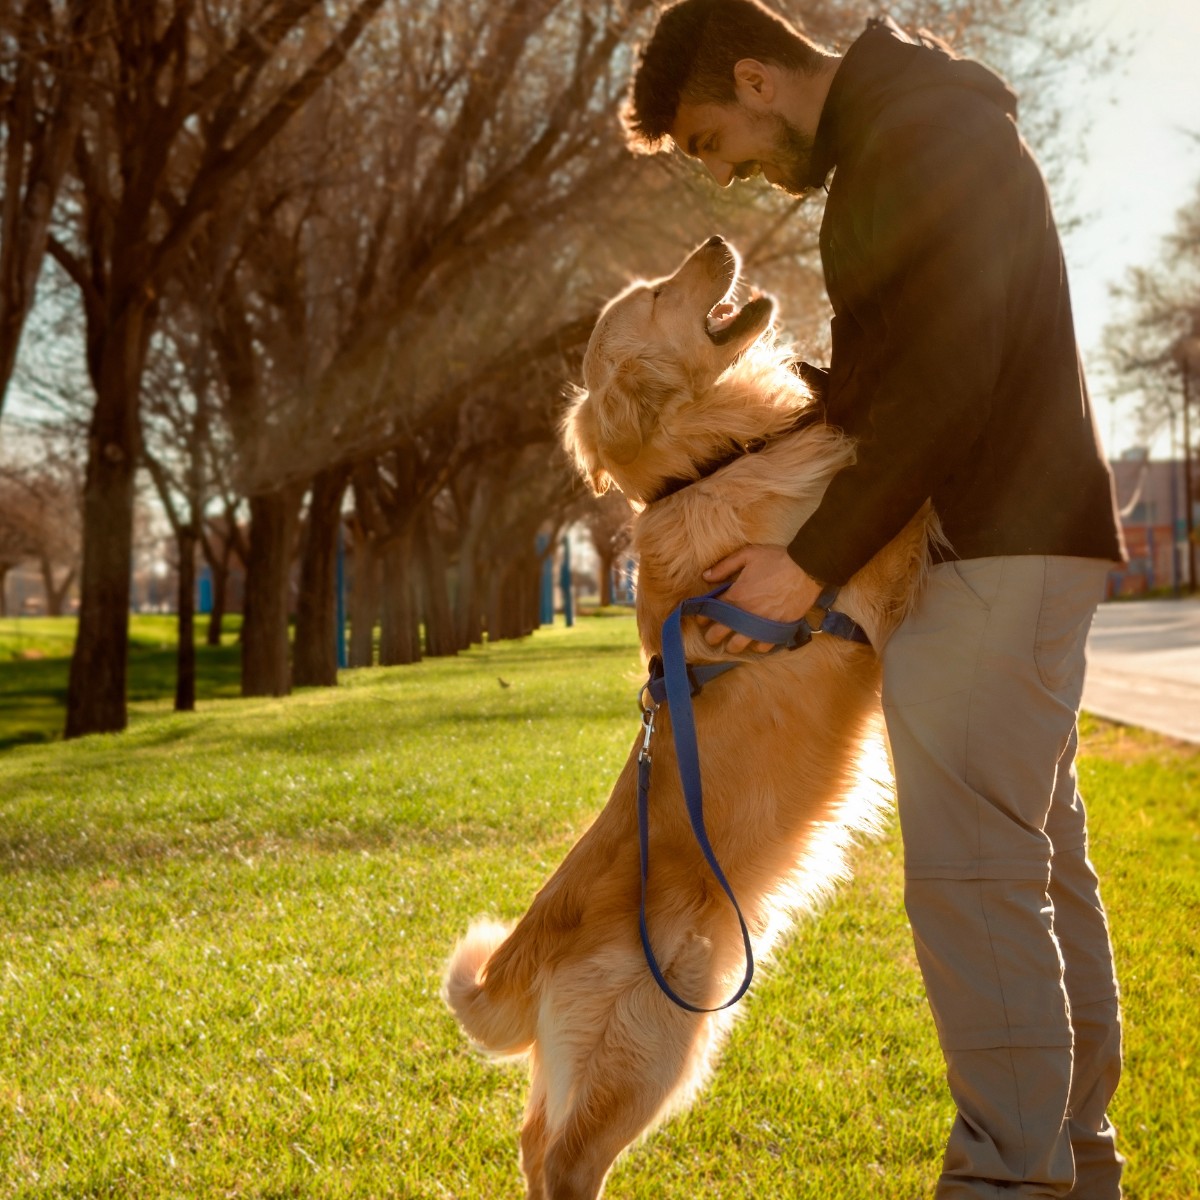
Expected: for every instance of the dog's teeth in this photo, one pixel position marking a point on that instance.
(719, 316)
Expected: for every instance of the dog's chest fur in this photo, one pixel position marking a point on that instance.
(761, 498)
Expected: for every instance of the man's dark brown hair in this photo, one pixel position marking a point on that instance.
(691, 56)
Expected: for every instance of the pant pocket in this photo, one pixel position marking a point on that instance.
(934, 652)
(1071, 590)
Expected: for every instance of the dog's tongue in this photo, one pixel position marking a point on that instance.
(720, 315)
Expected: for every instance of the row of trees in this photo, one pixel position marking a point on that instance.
(1152, 350)
(301, 258)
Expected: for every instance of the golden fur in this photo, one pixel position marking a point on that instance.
(789, 743)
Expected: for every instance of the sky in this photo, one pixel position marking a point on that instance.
(1140, 169)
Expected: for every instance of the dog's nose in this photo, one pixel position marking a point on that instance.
(715, 240)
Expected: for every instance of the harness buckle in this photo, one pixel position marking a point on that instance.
(800, 638)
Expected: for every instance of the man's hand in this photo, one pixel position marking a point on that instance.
(769, 585)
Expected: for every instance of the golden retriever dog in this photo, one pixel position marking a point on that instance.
(676, 379)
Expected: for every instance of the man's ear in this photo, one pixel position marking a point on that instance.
(753, 84)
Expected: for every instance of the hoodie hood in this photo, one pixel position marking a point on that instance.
(882, 66)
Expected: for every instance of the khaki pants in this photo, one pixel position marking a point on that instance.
(981, 692)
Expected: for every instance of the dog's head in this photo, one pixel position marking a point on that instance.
(656, 348)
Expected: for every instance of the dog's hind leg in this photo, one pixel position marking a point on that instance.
(625, 1088)
(533, 1132)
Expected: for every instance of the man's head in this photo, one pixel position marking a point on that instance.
(734, 85)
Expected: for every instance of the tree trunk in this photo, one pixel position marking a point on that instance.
(315, 656)
(494, 620)
(185, 658)
(220, 584)
(399, 640)
(513, 597)
(4, 570)
(440, 637)
(96, 701)
(96, 691)
(605, 569)
(469, 600)
(530, 587)
(265, 624)
(55, 596)
(364, 599)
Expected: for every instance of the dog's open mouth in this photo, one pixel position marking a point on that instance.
(725, 321)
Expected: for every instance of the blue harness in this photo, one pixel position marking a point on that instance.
(673, 682)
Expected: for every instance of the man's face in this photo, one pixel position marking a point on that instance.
(735, 142)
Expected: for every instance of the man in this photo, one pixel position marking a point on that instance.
(955, 367)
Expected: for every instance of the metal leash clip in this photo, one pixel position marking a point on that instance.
(649, 708)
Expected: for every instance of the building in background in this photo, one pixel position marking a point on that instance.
(1151, 501)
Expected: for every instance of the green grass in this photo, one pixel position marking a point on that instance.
(35, 655)
(221, 938)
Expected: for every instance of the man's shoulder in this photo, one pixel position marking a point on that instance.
(941, 104)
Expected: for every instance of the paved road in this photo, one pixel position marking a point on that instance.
(1144, 665)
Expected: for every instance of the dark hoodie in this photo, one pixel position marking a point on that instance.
(954, 358)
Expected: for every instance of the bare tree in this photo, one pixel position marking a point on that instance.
(46, 51)
(18, 533)
(1152, 351)
(40, 490)
(1157, 311)
(176, 452)
(183, 99)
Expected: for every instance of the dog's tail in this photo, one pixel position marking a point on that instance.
(493, 1009)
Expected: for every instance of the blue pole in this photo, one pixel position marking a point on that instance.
(546, 607)
(205, 587)
(1175, 525)
(564, 582)
(339, 634)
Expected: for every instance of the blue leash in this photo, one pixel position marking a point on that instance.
(672, 681)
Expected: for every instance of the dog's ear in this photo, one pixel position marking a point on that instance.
(628, 408)
(580, 438)
(610, 424)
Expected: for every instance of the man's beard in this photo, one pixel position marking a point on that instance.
(793, 156)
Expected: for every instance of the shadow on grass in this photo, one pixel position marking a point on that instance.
(33, 694)
(219, 838)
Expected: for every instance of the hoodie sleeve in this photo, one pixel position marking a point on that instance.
(934, 218)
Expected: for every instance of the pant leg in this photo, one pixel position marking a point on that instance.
(981, 688)
(1082, 929)
(1080, 922)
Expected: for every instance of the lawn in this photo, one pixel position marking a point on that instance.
(221, 937)
(35, 655)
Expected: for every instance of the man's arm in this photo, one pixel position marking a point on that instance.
(942, 221)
